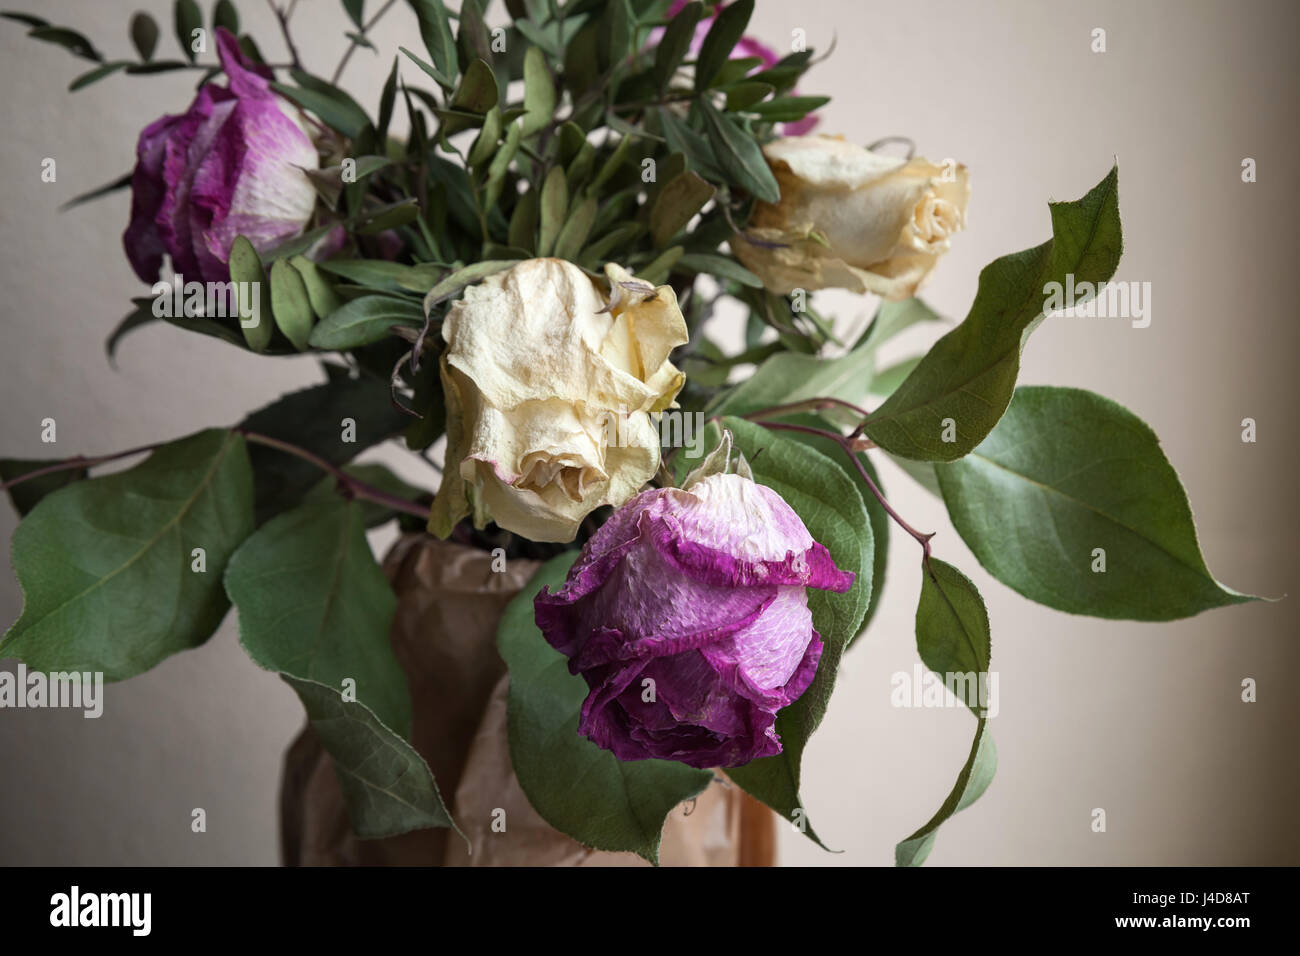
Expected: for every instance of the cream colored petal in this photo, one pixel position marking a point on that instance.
(830, 161)
(450, 504)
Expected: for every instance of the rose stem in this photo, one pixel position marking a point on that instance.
(365, 28)
(349, 485)
(810, 405)
(282, 17)
(847, 447)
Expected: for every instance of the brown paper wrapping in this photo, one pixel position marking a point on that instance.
(449, 601)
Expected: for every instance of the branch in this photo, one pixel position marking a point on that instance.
(848, 447)
(352, 46)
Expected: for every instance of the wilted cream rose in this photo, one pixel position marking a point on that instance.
(851, 219)
(539, 362)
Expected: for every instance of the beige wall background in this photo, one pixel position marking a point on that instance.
(1143, 720)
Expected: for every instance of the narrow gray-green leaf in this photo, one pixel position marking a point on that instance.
(363, 321)
(290, 304)
(539, 92)
(253, 292)
(739, 154)
(722, 37)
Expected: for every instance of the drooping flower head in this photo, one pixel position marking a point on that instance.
(550, 385)
(230, 165)
(687, 614)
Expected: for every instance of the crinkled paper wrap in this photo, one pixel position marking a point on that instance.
(444, 634)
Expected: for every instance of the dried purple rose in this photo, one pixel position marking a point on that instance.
(231, 165)
(687, 614)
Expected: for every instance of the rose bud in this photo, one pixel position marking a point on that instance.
(550, 385)
(687, 614)
(849, 218)
(229, 166)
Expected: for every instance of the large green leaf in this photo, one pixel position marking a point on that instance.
(1067, 472)
(313, 604)
(577, 787)
(107, 565)
(829, 503)
(388, 786)
(964, 384)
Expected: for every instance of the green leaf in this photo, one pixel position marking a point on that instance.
(722, 267)
(477, 93)
(324, 300)
(554, 210)
(70, 40)
(363, 321)
(316, 419)
(739, 154)
(144, 35)
(893, 318)
(829, 504)
(188, 18)
(384, 275)
(98, 192)
(964, 384)
(290, 304)
(539, 92)
(952, 630)
(788, 109)
(106, 565)
(675, 43)
(722, 37)
(1067, 472)
(24, 18)
(333, 106)
(356, 12)
(95, 75)
(886, 381)
(314, 604)
(677, 204)
(793, 377)
(387, 97)
(574, 234)
(745, 94)
(142, 315)
(436, 74)
(657, 272)
(458, 280)
(225, 15)
(27, 494)
(253, 292)
(435, 30)
(578, 788)
(387, 785)
(974, 779)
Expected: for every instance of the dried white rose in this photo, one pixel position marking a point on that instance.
(550, 385)
(849, 218)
